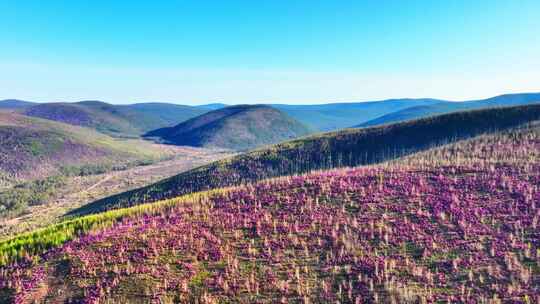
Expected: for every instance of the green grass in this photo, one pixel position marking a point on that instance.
(36, 242)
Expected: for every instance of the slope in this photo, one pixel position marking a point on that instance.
(328, 117)
(447, 107)
(167, 113)
(236, 127)
(15, 104)
(336, 149)
(212, 106)
(390, 234)
(33, 147)
(117, 120)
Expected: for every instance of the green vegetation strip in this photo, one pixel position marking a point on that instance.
(32, 244)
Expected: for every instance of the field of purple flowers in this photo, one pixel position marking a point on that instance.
(425, 230)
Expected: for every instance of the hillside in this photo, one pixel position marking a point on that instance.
(33, 147)
(336, 149)
(167, 113)
(116, 120)
(213, 106)
(237, 127)
(334, 116)
(447, 107)
(41, 160)
(14, 104)
(395, 233)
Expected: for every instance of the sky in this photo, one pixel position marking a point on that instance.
(275, 51)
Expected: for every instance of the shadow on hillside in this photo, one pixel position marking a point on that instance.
(347, 148)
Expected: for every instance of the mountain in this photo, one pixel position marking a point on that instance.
(334, 116)
(14, 104)
(213, 106)
(346, 148)
(168, 114)
(394, 233)
(136, 119)
(116, 120)
(447, 107)
(34, 148)
(237, 127)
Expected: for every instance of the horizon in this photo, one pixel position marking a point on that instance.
(265, 103)
(242, 52)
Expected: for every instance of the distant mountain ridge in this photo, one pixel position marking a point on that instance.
(118, 120)
(323, 117)
(236, 127)
(335, 116)
(213, 106)
(14, 104)
(447, 107)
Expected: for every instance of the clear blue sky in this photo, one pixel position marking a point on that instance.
(289, 51)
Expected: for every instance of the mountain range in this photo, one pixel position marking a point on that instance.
(140, 118)
(442, 107)
(411, 211)
(345, 148)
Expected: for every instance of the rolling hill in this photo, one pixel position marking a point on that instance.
(334, 116)
(33, 147)
(14, 104)
(117, 120)
(137, 119)
(447, 107)
(167, 114)
(395, 233)
(213, 106)
(237, 127)
(350, 147)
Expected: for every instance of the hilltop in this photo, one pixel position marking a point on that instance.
(346, 148)
(14, 104)
(137, 119)
(394, 233)
(48, 168)
(36, 156)
(236, 127)
(443, 107)
(117, 120)
(34, 148)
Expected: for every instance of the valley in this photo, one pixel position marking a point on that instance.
(247, 204)
(269, 152)
(417, 229)
(76, 191)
